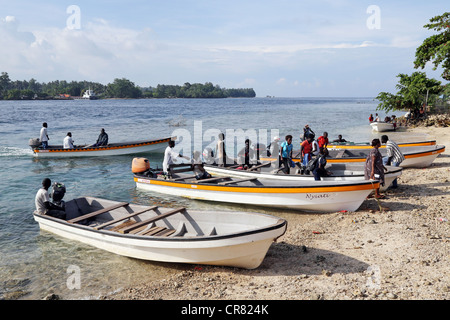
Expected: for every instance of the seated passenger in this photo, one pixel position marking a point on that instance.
(43, 204)
(68, 141)
(197, 167)
(102, 139)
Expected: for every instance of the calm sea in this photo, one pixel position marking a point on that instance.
(34, 263)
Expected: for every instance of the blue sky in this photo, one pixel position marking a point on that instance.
(283, 48)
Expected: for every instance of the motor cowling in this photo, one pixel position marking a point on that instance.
(58, 192)
(34, 142)
(140, 165)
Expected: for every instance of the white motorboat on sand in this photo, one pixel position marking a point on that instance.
(180, 235)
(315, 196)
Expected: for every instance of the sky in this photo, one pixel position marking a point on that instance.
(283, 48)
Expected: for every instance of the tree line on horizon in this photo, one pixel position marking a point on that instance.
(119, 88)
(417, 90)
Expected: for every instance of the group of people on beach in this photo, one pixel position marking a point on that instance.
(68, 142)
(312, 154)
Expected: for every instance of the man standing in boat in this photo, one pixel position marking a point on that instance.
(43, 137)
(394, 155)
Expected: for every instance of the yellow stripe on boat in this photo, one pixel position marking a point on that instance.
(253, 189)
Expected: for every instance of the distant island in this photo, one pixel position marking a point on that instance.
(119, 88)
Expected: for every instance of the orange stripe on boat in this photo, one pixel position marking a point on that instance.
(366, 186)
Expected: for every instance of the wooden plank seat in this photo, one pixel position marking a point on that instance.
(258, 166)
(157, 231)
(123, 218)
(236, 181)
(151, 220)
(98, 212)
(340, 154)
(183, 178)
(209, 180)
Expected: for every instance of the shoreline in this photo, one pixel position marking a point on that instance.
(400, 253)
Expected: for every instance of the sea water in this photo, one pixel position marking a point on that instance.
(34, 263)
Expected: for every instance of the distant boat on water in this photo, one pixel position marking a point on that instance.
(89, 94)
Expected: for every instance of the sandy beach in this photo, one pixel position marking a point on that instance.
(398, 253)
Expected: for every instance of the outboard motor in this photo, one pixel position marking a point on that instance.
(34, 143)
(58, 192)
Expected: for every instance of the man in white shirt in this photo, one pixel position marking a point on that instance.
(169, 156)
(43, 204)
(43, 137)
(68, 141)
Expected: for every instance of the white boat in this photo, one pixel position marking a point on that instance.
(366, 145)
(236, 239)
(112, 149)
(340, 172)
(382, 126)
(415, 157)
(89, 94)
(319, 196)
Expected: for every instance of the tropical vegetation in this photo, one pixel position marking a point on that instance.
(119, 88)
(416, 90)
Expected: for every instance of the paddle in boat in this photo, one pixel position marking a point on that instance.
(112, 149)
(267, 170)
(382, 126)
(178, 235)
(415, 157)
(315, 196)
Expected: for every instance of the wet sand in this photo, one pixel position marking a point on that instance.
(398, 253)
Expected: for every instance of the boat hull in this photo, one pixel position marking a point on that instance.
(112, 150)
(323, 199)
(242, 249)
(348, 175)
(415, 157)
(382, 126)
(367, 145)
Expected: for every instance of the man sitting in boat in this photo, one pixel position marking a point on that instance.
(102, 139)
(68, 141)
(43, 204)
(339, 139)
(321, 161)
(197, 167)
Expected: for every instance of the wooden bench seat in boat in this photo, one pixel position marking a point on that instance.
(98, 212)
(209, 180)
(237, 181)
(124, 218)
(151, 220)
(182, 178)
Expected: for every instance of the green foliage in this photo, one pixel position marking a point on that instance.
(123, 88)
(413, 91)
(437, 47)
(119, 88)
(198, 90)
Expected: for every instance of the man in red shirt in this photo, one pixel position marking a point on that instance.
(305, 150)
(323, 140)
